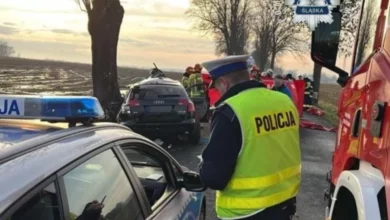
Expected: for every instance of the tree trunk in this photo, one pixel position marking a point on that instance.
(316, 83)
(105, 21)
(272, 61)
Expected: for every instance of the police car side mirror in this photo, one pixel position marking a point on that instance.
(191, 182)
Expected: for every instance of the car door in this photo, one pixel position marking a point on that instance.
(161, 177)
(98, 186)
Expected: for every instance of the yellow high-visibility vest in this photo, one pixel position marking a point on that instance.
(196, 79)
(185, 81)
(268, 169)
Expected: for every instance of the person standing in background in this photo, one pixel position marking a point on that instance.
(279, 86)
(196, 82)
(308, 98)
(185, 80)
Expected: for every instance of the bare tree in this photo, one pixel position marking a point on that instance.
(276, 34)
(6, 50)
(367, 27)
(349, 23)
(104, 22)
(261, 27)
(228, 20)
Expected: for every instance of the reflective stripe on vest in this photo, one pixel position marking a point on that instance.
(258, 202)
(265, 181)
(268, 169)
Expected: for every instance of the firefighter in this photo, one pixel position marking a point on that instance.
(255, 73)
(268, 74)
(307, 103)
(196, 82)
(186, 77)
(252, 158)
(290, 77)
(198, 68)
(281, 87)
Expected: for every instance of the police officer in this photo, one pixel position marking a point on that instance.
(196, 82)
(307, 102)
(281, 87)
(253, 158)
(186, 77)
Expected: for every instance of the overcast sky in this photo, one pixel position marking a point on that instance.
(152, 31)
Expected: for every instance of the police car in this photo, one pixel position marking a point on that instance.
(77, 169)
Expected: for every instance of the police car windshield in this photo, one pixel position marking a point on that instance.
(147, 92)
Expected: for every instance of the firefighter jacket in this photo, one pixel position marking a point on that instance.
(308, 98)
(196, 84)
(185, 81)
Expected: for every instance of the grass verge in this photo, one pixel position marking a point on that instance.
(330, 112)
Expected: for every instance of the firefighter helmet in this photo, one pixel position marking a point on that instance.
(269, 72)
(255, 68)
(190, 69)
(198, 68)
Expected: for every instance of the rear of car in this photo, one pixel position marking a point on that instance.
(160, 110)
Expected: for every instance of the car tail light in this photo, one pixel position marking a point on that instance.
(133, 103)
(190, 106)
(183, 102)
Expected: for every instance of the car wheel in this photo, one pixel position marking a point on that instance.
(194, 137)
(202, 215)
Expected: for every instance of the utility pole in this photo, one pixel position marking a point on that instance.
(317, 83)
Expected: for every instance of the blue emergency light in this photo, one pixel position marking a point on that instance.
(50, 108)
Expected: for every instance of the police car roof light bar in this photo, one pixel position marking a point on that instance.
(72, 109)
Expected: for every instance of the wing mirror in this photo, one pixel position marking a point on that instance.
(191, 182)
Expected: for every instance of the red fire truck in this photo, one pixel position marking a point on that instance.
(360, 176)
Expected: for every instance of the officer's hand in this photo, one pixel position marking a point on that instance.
(92, 211)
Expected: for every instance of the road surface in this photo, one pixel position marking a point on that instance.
(316, 147)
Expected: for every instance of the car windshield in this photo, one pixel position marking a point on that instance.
(158, 91)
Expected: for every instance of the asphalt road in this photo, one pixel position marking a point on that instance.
(316, 148)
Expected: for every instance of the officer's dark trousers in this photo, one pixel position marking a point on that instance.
(283, 211)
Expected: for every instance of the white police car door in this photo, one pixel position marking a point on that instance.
(160, 175)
